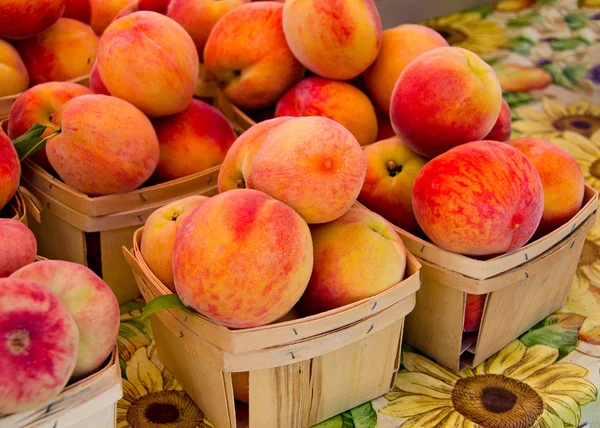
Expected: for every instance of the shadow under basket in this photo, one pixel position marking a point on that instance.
(88, 403)
(91, 230)
(15, 209)
(522, 287)
(301, 372)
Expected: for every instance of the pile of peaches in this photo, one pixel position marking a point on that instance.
(58, 322)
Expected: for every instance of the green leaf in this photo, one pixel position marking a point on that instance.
(558, 77)
(521, 45)
(335, 422)
(575, 73)
(168, 301)
(364, 416)
(546, 1)
(566, 44)
(131, 306)
(557, 331)
(484, 11)
(515, 99)
(576, 21)
(524, 21)
(31, 141)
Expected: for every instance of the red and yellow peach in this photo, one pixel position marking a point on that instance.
(20, 19)
(10, 169)
(17, 246)
(14, 77)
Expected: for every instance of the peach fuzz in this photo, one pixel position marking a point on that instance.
(387, 190)
(10, 169)
(14, 77)
(314, 165)
(38, 345)
(236, 170)
(561, 177)
(192, 141)
(480, 198)
(198, 17)
(20, 19)
(334, 39)
(356, 256)
(340, 101)
(248, 56)
(263, 264)
(65, 51)
(91, 303)
(17, 246)
(150, 61)
(38, 105)
(502, 128)
(445, 97)
(105, 146)
(399, 47)
(158, 237)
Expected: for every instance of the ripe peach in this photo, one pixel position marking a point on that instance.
(250, 280)
(356, 256)
(384, 128)
(198, 17)
(91, 303)
(38, 345)
(128, 10)
(14, 77)
(399, 47)
(340, 101)
(236, 170)
(105, 146)
(17, 246)
(20, 19)
(387, 190)
(241, 386)
(80, 10)
(103, 12)
(444, 98)
(248, 56)
(561, 177)
(150, 61)
(474, 312)
(480, 198)
(192, 141)
(334, 39)
(10, 170)
(96, 84)
(312, 164)
(38, 105)
(159, 6)
(159, 234)
(502, 128)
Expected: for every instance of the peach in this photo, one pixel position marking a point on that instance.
(65, 51)
(103, 12)
(10, 170)
(17, 246)
(444, 98)
(399, 47)
(241, 386)
(38, 105)
(198, 17)
(313, 164)
(474, 312)
(80, 10)
(561, 177)
(340, 101)
(334, 39)
(20, 19)
(356, 256)
(96, 84)
(236, 170)
(480, 198)
(105, 146)
(192, 141)
(248, 56)
(158, 237)
(262, 265)
(159, 6)
(384, 128)
(14, 77)
(38, 345)
(150, 61)
(91, 303)
(128, 10)
(387, 190)
(502, 128)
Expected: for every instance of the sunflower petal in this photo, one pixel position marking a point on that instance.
(146, 377)
(130, 392)
(412, 405)
(554, 109)
(453, 420)
(580, 390)
(564, 407)
(506, 358)
(428, 420)
(530, 128)
(529, 113)
(549, 420)
(579, 108)
(468, 424)
(537, 357)
(543, 378)
(420, 383)
(417, 363)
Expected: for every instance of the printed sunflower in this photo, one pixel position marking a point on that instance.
(468, 30)
(518, 387)
(586, 152)
(152, 398)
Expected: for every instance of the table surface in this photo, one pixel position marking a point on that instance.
(547, 56)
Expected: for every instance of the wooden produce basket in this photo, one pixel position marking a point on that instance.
(88, 403)
(233, 113)
(15, 209)
(522, 287)
(206, 86)
(301, 372)
(91, 230)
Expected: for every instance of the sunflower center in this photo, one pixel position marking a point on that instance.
(452, 35)
(164, 409)
(583, 125)
(590, 254)
(496, 401)
(162, 413)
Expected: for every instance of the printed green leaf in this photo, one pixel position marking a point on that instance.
(520, 45)
(132, 305)
(566, 44)
(484, 11)
(558, 331)
(168, 301)
(546, 1)
(515, 99)
(576, 21)
(524, 21)
(575, 73)
(558, 77)
(335, 422)
(364, 416)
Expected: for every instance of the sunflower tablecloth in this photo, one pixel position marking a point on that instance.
(546, 54)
